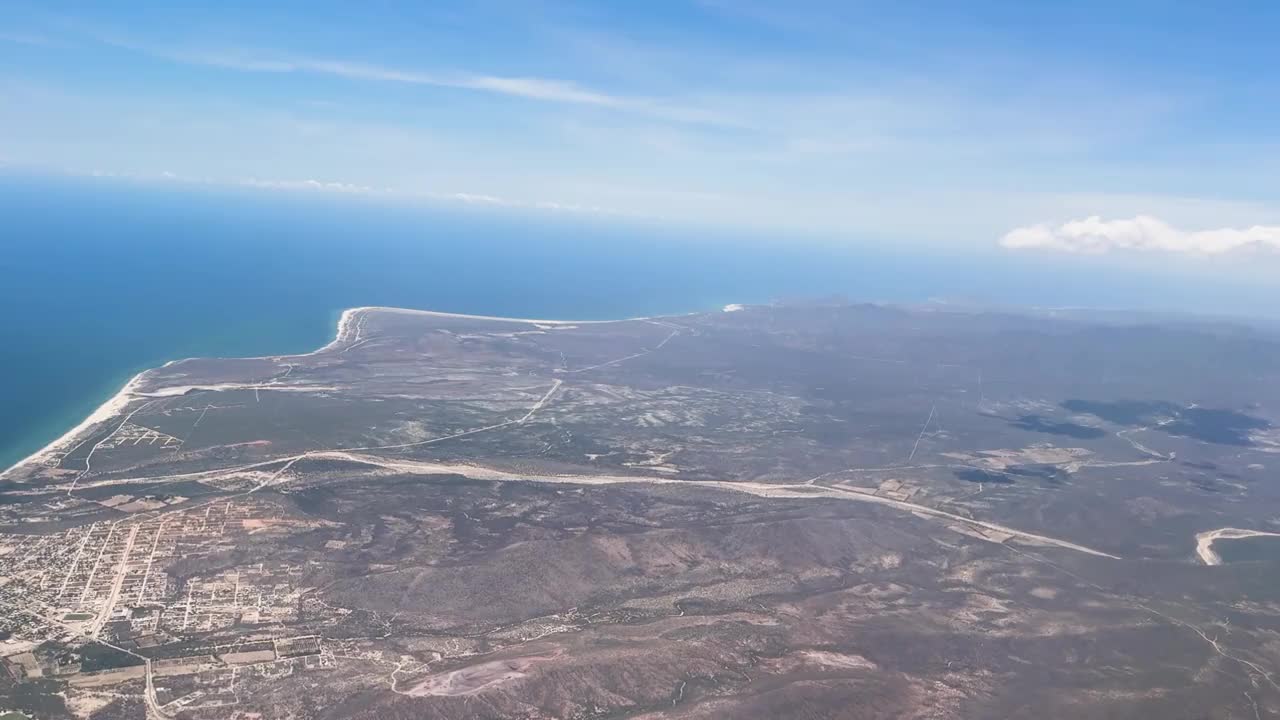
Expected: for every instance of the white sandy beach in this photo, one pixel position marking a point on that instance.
(106, 411)
(1205, 540)
(529, 321)
(348, 331)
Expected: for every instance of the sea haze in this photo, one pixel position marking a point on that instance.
(102, 279)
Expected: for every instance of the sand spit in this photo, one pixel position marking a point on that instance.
(1205, 540)
(348, 332)
(529, 321)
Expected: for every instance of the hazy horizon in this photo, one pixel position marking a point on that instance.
(1044, 130)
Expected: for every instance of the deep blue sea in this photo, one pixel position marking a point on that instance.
(100, 279)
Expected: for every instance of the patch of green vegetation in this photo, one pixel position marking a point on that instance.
(96, 656)
(34, 698)
(71, 617)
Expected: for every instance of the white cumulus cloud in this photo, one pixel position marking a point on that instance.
(1094, 235)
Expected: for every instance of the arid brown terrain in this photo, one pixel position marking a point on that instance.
(777, 512)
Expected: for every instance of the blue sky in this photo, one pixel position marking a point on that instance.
(958, 124)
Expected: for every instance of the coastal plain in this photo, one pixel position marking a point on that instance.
(808, 511)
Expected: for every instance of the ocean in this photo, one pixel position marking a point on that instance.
(102, 278)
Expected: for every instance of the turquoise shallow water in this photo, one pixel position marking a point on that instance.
(101, 279)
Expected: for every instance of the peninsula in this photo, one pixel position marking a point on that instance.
(769, 511)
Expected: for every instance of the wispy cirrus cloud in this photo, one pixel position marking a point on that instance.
(682, 124)
(1094, 235)
(466, 198)
(348, 188)
(524, 87)
(337, 187)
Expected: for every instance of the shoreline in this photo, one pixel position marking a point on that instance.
(107, 410)
(348, 330)
(466, 316)
(1205, 541)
